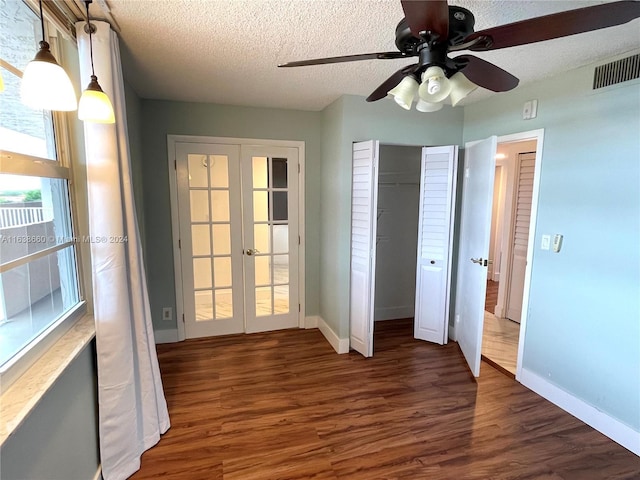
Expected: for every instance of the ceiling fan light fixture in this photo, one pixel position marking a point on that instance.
(435, 85)
(425, 107)
(461, 87)
(405, 92)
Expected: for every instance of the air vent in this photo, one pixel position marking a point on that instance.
(619, 71)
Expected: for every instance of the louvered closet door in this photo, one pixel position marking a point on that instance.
(435, 237)
(363, 247)
(520, 234)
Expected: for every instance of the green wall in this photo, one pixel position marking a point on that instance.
(59, 439)
(351, 119)
(583, 329)
(162, 118)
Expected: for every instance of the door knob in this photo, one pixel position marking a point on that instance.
(251, 251)
(477, 260)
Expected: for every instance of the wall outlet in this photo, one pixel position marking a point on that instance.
(167, 313)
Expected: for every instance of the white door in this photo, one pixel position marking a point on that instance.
(270, 199)
(364, 200)
(520, 234)
(435, 237)
(238, 238)
(210, 238)
(475, 225)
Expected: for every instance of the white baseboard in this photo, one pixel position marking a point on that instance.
(311, 321)
(340, 345)
(98, 475)
(166, 336)
(602, 422)
(394, 313)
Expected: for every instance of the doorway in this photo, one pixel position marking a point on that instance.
(509, 239)
(402, 218)
(236, 219)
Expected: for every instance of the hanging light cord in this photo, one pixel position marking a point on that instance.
(93, 73)
(42, 21)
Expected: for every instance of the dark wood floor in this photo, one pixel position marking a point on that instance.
(283, 405)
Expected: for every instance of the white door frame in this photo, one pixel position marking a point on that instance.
(175, 220)
(537, 135)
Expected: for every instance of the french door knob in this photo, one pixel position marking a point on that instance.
(251, 251)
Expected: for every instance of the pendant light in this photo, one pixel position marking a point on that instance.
(45, 85)
(95, 105)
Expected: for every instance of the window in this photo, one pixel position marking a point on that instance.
(39, 288)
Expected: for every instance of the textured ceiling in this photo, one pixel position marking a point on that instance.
(227, 51)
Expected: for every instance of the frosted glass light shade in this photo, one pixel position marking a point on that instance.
(405, 92)
(461, 86)
(95, 105)
(435, 85)
(45, 85)
(423, 106)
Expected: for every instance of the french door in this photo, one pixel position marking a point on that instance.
(238, 222)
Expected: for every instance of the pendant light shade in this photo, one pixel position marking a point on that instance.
(95, 105)
(45, 85)
(435, 85)
(405, 92)
(461, 86)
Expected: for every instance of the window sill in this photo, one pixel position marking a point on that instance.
(27, 391)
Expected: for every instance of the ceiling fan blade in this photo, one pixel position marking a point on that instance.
(345, 58)
(391, 82)
(557, 25)
(486, 74)
(427, 15)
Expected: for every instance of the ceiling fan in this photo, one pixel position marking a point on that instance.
(432, 29)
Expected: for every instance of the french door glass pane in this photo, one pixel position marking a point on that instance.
(202, 273)
(260, 206)
(264, 305)
(199, 205)
(281, 299)
(280, 269)
(222, 239)
(219, 168)
(197, 170)
(279, 172)
(220, 205)
(204, 305)
(200, 240)
(263, 270)
(280, 238)
(224, 303)
(222, 271)
(260, 172)
(261, 238)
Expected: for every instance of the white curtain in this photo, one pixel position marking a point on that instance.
(132, 408)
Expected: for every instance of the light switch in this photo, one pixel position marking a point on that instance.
(530, 109)
(546, 241)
